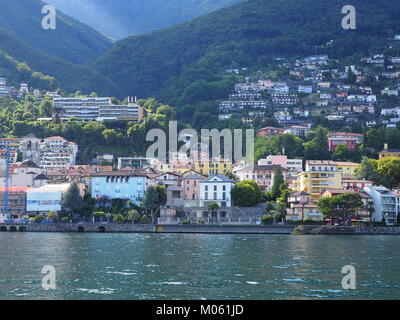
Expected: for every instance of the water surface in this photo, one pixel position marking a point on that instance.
(197, 266)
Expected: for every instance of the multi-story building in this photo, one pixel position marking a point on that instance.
(138, 163)
(347, 169)
(57, 152)
(364, 214)
(263, 175)
(318, 176)
(350, 140)
(385, 204)
(300, 131)
(121, 184)
(96, 108)
(191, 188)
(213, 166)
(16, 203)
(216, 189)
(270, 131)
(302, 208)
(387, 153)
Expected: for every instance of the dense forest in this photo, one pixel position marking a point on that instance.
(71, 40)
(164, 63)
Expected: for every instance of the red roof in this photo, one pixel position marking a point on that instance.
(14, 189)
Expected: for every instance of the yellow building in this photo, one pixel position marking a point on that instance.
(213, 166)
(386, 153)
(318, 176)
(347, 168)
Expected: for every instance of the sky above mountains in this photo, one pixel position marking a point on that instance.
(122, 18)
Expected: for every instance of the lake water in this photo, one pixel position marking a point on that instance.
(197, 266)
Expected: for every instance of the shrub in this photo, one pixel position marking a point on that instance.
(144, 219)
(39, 218)
(118, 218)
(267, 219)
(64, 219)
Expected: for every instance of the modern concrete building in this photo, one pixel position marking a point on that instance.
(97, 108)
(385, 204)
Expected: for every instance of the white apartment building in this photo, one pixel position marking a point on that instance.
(57, 152)
(96, 108)
(216, 189)
(385, 204)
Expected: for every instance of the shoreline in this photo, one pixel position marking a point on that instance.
(197, 229)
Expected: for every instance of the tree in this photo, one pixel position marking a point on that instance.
(278, 180)
(343, 206)
(246, 193)
(389, 170)
(72, 200)
(162, 195)
(368, 171)
(150, 201)
(317, 148)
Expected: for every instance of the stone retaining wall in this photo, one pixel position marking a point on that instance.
(346, 230)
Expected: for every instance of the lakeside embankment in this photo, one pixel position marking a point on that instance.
(205, 228)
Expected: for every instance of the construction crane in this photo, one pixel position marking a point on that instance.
(6, 209)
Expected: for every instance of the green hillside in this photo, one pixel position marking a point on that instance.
(72, 40)
(248, 34)
(21, 62)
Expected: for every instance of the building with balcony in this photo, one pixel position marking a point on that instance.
(302, 208)
(385, 204)
(210, 167)
(318, 176)
(263, 175)
(350, 140)
(16, 202)
(97, 108)
(57, 152)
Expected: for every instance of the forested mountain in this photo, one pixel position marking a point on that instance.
(72, 40)
(122, 18)
(248, 34)
(19, 62)
(47, 59)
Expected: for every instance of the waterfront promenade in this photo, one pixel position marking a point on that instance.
(199, 228)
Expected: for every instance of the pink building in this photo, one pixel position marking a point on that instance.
(350, 140)
(191, 186)
(263, 175)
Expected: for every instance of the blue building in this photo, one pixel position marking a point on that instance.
(122, 184)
